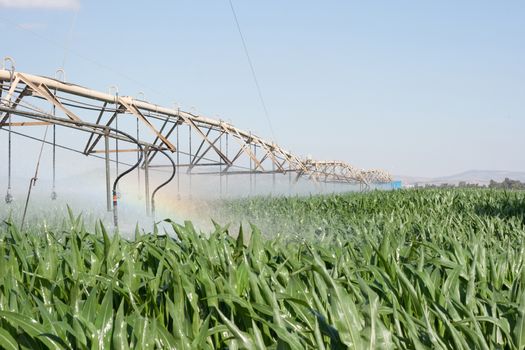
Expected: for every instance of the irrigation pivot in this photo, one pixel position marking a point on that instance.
(199, 144)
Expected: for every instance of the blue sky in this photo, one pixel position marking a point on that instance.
(422, 88)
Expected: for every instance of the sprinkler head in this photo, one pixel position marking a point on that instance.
(53, 195)
(8, 197)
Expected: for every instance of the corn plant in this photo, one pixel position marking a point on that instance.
(382, 270)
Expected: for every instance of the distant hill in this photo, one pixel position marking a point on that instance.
(481, 177)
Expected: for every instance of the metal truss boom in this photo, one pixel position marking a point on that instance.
(27, 96)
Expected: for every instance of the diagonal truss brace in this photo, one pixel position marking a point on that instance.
(130, 107)
(43, 91)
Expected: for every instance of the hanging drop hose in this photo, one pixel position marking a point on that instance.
(9, 196)
(138, 155)
(164, 183)
(117, 153)
(115, 183)
(53, 192)
(113, 87)
(139, 197)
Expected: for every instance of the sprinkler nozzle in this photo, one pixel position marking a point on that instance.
(8, 197)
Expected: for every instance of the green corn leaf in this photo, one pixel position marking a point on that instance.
(104, 322)
(518, 331)
(244, 338)
(31, 328)
(7, 340)
(120, 332)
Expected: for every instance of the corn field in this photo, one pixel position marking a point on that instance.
(412, 269)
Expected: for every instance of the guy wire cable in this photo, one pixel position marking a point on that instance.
(252, 68)
(33, 180)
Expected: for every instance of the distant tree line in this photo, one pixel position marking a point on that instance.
(506, 184)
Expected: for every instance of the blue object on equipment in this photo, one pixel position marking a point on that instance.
(395, 185)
